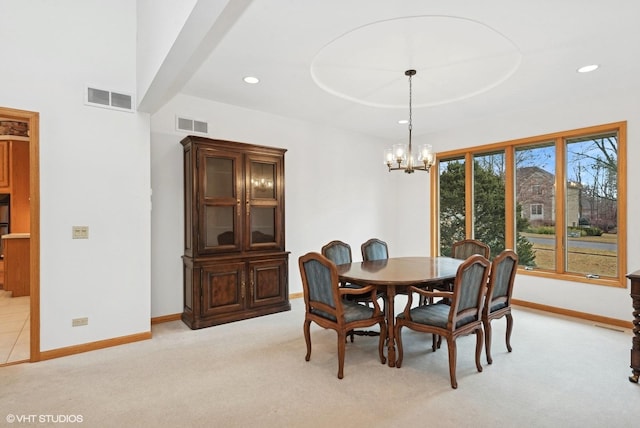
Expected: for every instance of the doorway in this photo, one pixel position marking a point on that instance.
(32, 119)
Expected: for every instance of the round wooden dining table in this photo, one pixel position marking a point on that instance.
(395, 274)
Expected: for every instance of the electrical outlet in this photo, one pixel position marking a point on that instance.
(77, 322)
(80, 232)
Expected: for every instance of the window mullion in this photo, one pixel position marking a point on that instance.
(469, 195)
(560, 201)
(509, 198)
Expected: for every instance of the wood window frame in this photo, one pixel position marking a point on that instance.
(509, 147)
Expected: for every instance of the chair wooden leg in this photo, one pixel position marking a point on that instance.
(451, 346)
(341, 351)
(381, 342)
(487, 339)
(398, 334)
(509, 328)
(479, 343)
(307, 338)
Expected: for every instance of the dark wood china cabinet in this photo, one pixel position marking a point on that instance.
(235, 263)
(635, 341)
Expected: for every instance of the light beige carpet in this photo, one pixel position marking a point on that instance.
(561, 373)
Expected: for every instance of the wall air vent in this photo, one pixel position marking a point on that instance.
(108, 99)
(191, 125)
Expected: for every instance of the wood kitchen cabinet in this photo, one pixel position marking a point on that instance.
(16, 263)
(4, 163)
(14, 180)
(235, 263)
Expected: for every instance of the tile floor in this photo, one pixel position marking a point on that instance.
(14, 328)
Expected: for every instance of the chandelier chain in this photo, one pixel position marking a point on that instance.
(410, 108)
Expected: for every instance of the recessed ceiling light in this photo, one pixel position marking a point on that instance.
(403, 121)
(251, 80)
(588, 68)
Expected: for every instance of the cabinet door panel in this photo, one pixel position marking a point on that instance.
(265, 198)
(263, 225)
(4, 163)
(220, 226)
(220, 173)
(268, 283)
(219, 177)
(223, 288)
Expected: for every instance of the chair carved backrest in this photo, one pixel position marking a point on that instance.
(320, 286)
(468, 291)
(374, 249)
(468, 247)
(501, 280)
(338, 252)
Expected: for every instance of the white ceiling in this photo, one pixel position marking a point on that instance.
(341, 63)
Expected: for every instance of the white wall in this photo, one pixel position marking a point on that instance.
(159, 23)
(563, 115)
(94, 163)
(336, 188)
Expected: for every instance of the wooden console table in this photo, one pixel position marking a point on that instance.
(635, 348)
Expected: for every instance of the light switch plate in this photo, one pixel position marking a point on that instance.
(80, 232)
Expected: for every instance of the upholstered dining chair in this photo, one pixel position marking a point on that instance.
(498, 298)
(337, 251)
(340, 253)
(462, 250)
(467, 247)
(461, 317)
(325, 305)
(374, 249)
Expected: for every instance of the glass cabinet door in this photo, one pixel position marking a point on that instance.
(262, 208)
(220, 200)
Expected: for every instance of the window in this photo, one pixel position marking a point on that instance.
(488, 198)
(558, 199)
(452, 202)
(536, 211)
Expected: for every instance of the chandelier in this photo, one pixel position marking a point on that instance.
(401, 156)
(262, 183)
(262, 176)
